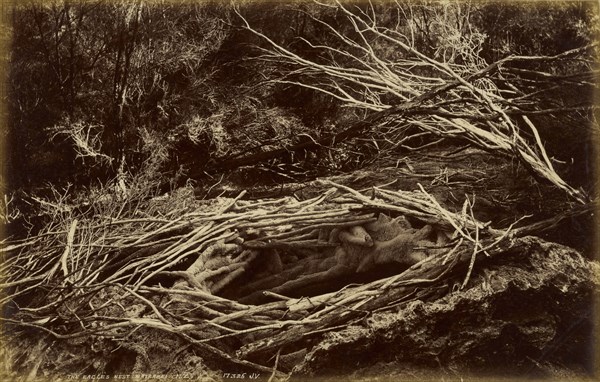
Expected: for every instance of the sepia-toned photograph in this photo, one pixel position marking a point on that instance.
(308, 190)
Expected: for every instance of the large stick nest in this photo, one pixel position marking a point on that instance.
(242, 280)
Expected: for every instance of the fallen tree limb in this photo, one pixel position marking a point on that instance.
(357, 74)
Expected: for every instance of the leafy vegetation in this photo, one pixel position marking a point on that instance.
(94, 86)
(123, 115)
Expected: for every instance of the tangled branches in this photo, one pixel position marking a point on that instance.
(450, 94)
(108, 277)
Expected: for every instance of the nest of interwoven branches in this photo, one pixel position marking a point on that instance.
(241, 280)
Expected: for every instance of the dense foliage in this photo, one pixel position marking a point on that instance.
(99, 88)
(173, 166)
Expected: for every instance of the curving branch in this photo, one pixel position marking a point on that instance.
(379, 69)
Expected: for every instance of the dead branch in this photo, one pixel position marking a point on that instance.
(364, 76)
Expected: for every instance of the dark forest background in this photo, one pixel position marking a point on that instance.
(168, 91)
